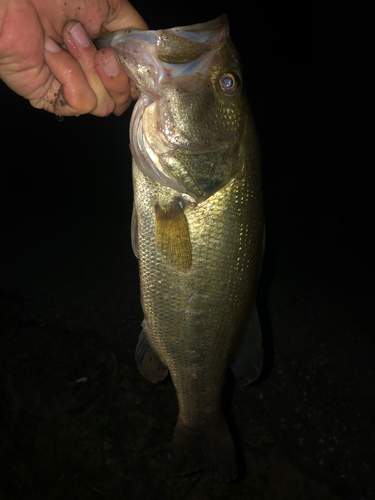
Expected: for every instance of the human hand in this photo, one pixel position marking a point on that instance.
(68, 82)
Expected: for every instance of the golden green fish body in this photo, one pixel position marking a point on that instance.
(197, 228)
(196, 317)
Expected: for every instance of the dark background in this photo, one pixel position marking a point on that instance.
(69, 297)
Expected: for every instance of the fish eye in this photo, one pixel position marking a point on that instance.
(228, 83)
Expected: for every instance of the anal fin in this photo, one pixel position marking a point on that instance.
(148, 361)
(248, 362)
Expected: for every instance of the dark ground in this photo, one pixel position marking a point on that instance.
(77, 420)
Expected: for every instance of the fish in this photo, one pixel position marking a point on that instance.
(197, 228)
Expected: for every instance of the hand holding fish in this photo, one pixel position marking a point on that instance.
(68, 81)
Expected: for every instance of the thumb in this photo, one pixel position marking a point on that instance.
(126, 17)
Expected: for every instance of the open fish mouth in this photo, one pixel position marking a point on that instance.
(162, 64)
(152, 58)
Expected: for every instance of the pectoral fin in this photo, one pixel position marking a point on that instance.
(172, 235)
(148, 361)
(248, 363)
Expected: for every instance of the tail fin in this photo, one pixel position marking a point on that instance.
(209, 449)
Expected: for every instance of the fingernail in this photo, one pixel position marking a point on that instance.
(50, 45)
(111, 66)
(79, 35)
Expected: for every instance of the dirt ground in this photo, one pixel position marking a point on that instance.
(77, 421)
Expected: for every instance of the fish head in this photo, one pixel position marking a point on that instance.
(187, 126)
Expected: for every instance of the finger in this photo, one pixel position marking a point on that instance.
(125, 16)
(108, 67)
(66, 91)
(83, 50)
(83, 85)
(102, 70)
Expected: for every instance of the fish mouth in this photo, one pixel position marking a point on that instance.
(151, 58)
(155, 60)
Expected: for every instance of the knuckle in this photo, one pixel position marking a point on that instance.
(39, 104)
(122, 107)
(105, 108)
(84, 105)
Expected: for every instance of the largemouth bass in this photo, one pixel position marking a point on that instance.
(197, 227)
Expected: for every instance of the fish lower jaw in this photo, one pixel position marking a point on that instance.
(144, 136)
